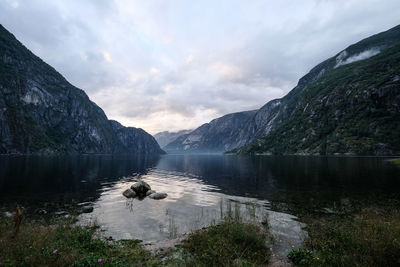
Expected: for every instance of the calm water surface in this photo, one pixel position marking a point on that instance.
(201, 188)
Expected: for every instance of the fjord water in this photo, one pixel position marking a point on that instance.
(201, 188)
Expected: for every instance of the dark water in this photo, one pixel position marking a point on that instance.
(78, 178)
(198, 187)
(263, 177)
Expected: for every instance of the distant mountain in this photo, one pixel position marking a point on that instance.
(164, 138)
(217, 136)
(348, 104)
(41, 112)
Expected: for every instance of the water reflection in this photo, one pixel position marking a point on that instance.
(201, 189)
(191, 204)
(266, 176)
(259, 177)
(48, 178)
(196, 185)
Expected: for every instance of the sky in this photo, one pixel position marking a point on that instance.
(168, 65)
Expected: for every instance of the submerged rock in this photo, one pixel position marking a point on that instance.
(141, 188)
(87, 209)
(129, 193)
(148, 193)
(158, 195)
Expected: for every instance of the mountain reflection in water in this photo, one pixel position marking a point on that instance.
(200, 187)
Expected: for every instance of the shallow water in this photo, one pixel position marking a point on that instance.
(191, 204)
(201, 189)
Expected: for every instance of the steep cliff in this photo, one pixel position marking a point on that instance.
(41, 112)
(348, 104)
(136, 140)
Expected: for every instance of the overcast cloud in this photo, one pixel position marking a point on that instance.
(171, 65)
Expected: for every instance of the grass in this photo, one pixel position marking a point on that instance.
(62, 244)
(370, 237)
(58, 242)
(231, 243)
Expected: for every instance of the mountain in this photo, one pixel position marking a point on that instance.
(135, 139)
(41, 112)
(348, 104)
(217, 136)
(166, 137)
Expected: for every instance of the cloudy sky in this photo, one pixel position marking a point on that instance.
(171, 64)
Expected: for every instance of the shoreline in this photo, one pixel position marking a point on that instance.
(324, 245)
(65, 243)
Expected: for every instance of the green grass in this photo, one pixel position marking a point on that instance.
(370, 237)
(231, 243)
(60, 243)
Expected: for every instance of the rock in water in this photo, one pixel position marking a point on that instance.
(129, 193)
(158, 195)
(141, 188)
(148, 193)
(87, 209)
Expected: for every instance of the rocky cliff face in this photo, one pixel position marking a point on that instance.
(348, 104)
(135, 139)
(166, 137)
(217, 136)
(41, 112)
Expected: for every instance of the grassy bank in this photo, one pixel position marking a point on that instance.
(368, 237)
(231, 243)
(57, 242)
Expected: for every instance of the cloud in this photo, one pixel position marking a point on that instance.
(360, 56)
(107, 56)
(174, 65)
(227, 72)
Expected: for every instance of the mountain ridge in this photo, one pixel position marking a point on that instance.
(215, 136)
(353, 110)
(41, 112)
(165, 137)
(293, 101)
(278, 112)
